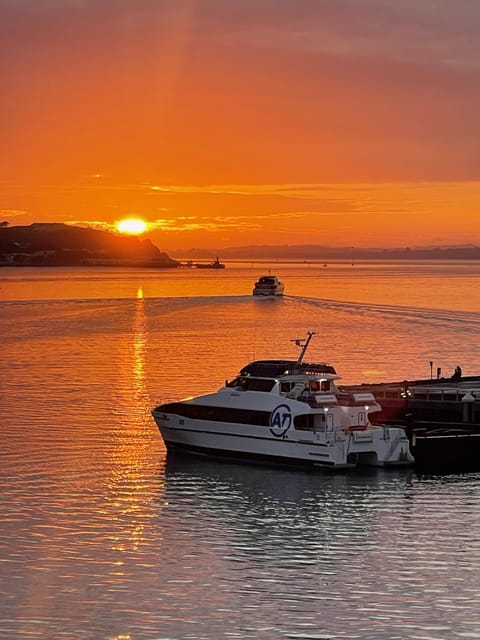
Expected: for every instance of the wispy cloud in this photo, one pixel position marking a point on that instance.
(291, 221)
(437, 33)
(13, 213)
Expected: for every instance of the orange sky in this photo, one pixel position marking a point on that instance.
(226, 123)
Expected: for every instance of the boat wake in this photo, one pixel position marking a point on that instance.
(468, 321)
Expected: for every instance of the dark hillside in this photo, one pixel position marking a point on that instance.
(60, 244)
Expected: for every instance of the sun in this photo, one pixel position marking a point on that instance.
(131, 226)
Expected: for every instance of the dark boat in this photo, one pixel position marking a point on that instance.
(216, 264)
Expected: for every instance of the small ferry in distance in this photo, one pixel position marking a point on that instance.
(268, 286)
(216, 264)
(285, 412)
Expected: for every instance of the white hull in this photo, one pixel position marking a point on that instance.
(373, 446)
(277, 291)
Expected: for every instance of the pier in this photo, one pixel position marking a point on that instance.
(441, 418)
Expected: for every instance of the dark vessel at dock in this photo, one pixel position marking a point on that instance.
(441, 418)
(216, 264)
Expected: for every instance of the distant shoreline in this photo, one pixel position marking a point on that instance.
(340, 260)
(86, 266)
(246, 261)
(327, 254)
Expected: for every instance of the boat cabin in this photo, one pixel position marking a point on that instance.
(310, 383)
(268, 286)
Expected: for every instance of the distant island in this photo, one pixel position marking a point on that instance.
(319, 253)
(54, 245)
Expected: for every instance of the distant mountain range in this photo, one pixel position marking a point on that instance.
(52, 244)
(55, 244)
(317, 253)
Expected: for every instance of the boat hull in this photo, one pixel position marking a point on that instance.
(378, 447)
(270, 293)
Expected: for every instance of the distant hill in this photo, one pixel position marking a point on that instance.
(52, 244)
(318, 253)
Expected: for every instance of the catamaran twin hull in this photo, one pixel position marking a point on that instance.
(274, 437)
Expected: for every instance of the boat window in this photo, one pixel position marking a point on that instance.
(325, 386)
(314, 386)
(259, 384)
(309, 421)
(252, 384)
(238, 382)
(304, 422)
(320, 419)
(217, 414)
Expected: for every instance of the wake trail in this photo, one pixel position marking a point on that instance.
(467, 320)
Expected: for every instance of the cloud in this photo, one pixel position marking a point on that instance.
(13, 213)
(434, 32)
(284, 221)
(426, 32)
(93, 224)
(167, 93)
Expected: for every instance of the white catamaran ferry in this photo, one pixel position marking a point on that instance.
(284, 411)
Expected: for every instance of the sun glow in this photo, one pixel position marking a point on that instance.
(131, 226)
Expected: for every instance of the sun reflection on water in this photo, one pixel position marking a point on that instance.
(133, 436)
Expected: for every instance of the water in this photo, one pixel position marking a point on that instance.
(104, 538)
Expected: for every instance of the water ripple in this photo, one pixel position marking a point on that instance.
(104, 537)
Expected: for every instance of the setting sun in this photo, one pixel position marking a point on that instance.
(132, 226)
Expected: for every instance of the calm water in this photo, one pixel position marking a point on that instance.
(103, 538)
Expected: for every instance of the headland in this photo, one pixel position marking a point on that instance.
(56, 245)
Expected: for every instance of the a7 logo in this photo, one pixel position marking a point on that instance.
(280, 420)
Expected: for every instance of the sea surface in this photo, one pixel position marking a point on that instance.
(105, 537)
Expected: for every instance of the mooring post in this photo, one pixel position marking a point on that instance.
(468, 401)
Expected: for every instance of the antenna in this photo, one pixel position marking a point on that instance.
(299, 343)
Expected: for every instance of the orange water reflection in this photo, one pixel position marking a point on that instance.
(133, 436)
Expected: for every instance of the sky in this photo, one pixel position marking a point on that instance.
(244, 122)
